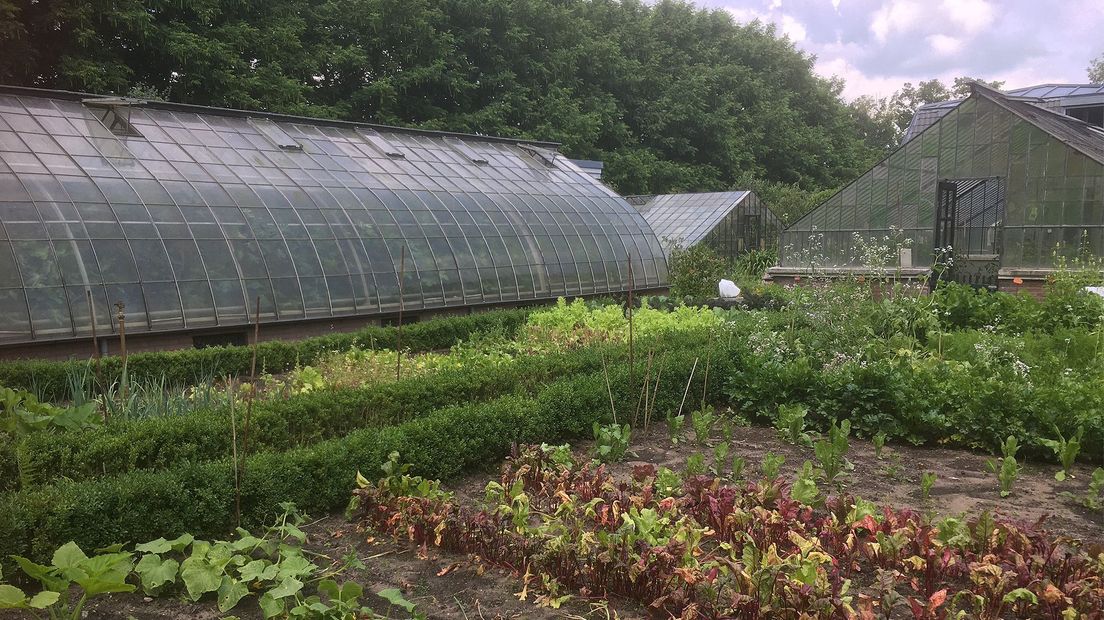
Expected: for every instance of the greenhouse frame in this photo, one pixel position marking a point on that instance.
(731, 223)
(187, 215)
(994, 189)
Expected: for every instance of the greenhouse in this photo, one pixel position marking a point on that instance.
(187, 215)
(732, 223)
(993, 190)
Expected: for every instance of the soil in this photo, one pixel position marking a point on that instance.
(455, 587)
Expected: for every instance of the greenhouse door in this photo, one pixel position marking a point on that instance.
(969, 219)
(751, 233)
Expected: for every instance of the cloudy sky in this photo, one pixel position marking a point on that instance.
(877, 45)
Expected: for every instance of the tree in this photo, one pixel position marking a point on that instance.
(1096, 70)
(883, 122)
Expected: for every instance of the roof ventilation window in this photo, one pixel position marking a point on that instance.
(276, 134)
(381, 144)
(543, 155)
(114, 113)
(468, 152)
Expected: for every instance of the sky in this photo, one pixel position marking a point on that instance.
(878, 45)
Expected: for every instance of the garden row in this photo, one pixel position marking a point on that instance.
(701, 547)
(198, 497)
(51, 380)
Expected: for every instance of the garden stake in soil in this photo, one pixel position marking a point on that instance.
(234, 456)
(632, 366)
(687, 390)
(609, 390)
(252, 389)
(120, 307)
(398, 335)
(643, 388)
(96, 354)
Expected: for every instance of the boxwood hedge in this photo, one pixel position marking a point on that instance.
(198, 497)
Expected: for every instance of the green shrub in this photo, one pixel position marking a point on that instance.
(695, 271)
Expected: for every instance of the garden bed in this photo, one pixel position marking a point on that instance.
(457, 586)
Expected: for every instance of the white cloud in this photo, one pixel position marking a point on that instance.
(896, 16)
(793, 29)
(945, 45)
(970, 16)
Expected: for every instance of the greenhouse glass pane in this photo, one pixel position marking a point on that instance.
(199, 308)
(36, 263)
(15, 324)
(163, 303)
(289, 299)
(51, 311)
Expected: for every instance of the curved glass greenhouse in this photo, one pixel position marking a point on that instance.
(187, 214)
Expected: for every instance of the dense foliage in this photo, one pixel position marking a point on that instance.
(670, 96)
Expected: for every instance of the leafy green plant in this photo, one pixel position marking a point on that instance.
(720, 458)
(804, 488)
(70, 580)
(1066, 450)
(831, 452)
(695, 464)
(1006, 468)
(927, 481)
(22, 413)
(667, 482)
(739, 463)
(879, 443)
(790, 423)
(771, 465)
(675, 424)
(1093, 499)
(611, 441)
(702, 421)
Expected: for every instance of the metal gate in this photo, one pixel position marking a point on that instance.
(969, 219)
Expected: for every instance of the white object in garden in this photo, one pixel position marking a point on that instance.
(728, 289)
(1098, 290)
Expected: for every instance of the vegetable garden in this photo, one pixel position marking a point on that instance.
(180, 448)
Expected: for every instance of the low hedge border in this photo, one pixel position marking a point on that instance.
(279, 425)
(198, 497)
(49, 379)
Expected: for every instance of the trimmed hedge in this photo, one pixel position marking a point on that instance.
(49, 379)
(277, 425)
(198, 497)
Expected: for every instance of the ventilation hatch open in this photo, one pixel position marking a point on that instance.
(114, 113)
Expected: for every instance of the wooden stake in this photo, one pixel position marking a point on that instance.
(398, 339)
(234, 452)
(252, 391)
(644, 388)
(687, 391)
(120, 314)
(609, 389)
(96, 354)
(708, 360)
(632, 365)
(649, 412)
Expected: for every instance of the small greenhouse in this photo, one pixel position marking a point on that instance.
(732, 223)
(995, 187)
